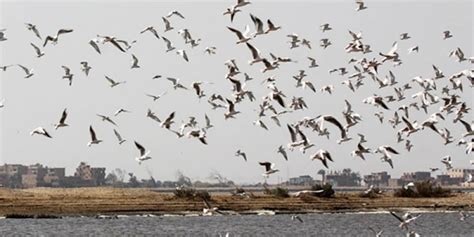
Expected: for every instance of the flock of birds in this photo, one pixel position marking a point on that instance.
(426, 94)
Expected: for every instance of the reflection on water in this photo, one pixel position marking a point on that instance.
(429, 224)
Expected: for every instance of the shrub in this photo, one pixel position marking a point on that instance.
(426, 189)
(191, 193)
(328, 192)
(277, 192)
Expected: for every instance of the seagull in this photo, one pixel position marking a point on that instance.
(85, 67)
(208, 122)
(360, 5)
(271, 27)
(144, 154)
(302, 192)
(408, 145)
(269, 168)
(323, 156)
(447, 34)
(231, 11)
(94, 43)
(169, 45)
(413, 49)
(2, 35)
(282, 151)
(298, 218)
(313, 62)
(119, 137)
(325, 27)
(334, 121)
(405, 219)
(324, 43)
(183, 54)
(209, 210)
(38, 51)
(210, 50)
(176, 83)
(360, 151)
(404, 36)
(469, 128)
(152, 30)
(54, 39)
(241, 3)
(93, 137)
(392, 54)
(386, 150)
(434, 169)
(152, 115)
(106, 118)
(260, 124)
(168, 121)
(243, 38)
(174, 13)
(447, 162)
(62, 120)
(28, 72)
(255, 54)
(240, 153)
(380, 116)
(376, 233)
(119, 111)
(168, 26)
(376, 101)
(230, 110)
(113, 83)
(110, 39)
(33, 28)
(67, 74)
(463, 216)
(40, 131)
(134, 62)
(156, 97)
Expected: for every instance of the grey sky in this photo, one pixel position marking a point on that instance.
(39, 101)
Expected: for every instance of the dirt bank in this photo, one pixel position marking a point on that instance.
(91, 201)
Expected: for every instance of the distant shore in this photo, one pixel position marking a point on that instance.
(114, 201)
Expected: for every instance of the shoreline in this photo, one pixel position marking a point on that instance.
(73, 202)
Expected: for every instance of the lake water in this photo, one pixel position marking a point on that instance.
(429, 224)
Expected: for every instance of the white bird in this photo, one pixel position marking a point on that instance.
(40, 131)
(85, 67)
(152, 30)
(323, 156)
(2, 35)
(168, 121)
(255, 54)
(119, 111)
(114, 83)
(447, 162)
(94, 139)
(231, 11)
(28, 72)
(169, 45)
(269, 168)
(144, 154)
(282, 151)
(62, 121)
(413, 49)
(38, 51)
(298, 218)
(241, 153)
(324, 43)
(360, 151)
(174, 13)
(405, 219)
(119, 137)
(230, 110)
(168, 26)
(134, 62)
(243, 37)
(176, 84)
(404, 36)
(183, 54)
(260, 124)
(325, 27)
(313, 62)
(360, 5)
(107, 118)
(447, 34)
(67, 74)
(33, 28)
(54, 39)
(156, 97)
(469, 128)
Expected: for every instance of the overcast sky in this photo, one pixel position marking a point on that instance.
(39, 101)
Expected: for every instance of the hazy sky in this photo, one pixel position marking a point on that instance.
(39, 101)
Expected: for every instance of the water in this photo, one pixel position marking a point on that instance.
(429, 224)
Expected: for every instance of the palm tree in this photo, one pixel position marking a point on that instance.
(323, 175)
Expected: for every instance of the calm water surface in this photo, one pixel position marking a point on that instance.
(429, 224)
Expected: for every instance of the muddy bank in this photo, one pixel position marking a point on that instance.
(92, 201)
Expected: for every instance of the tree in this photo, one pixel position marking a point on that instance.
(182, 180)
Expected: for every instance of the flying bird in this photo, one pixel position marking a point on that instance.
(54, 39)
(119, 137)
(40, 131)
(62, 121)
(94, 139)
(144, 154)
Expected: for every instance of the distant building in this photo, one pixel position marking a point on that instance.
(445, 179)
(346, 178)
(85, 176)
(459, 173)
(416, 176)
(303, 180)
(377, 179)
(10, 175)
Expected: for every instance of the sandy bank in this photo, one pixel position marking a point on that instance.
(91, 201)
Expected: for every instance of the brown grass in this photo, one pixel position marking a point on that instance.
(90, 201)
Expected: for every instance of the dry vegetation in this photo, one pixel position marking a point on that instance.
(91, 201)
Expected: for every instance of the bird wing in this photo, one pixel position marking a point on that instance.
(110, 80)
(292, 133)
(117, 134)
(396, 216)
(38, 51)
(390, 149)
(95, 46)
(140, 148)
(255, 51)
(92, 132)
(238, 33)
(63, 116)
(466, 125)
(116, 44)
(334, 121)
(267, 165)
(64, 31)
